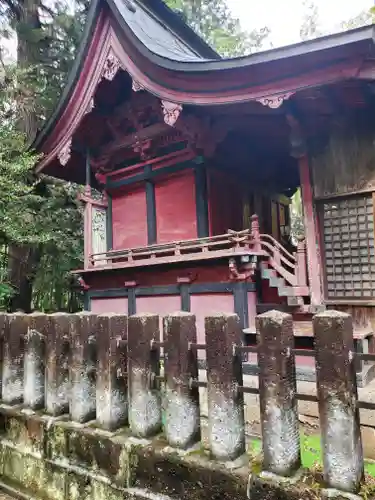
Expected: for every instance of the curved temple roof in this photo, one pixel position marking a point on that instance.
(168, 59)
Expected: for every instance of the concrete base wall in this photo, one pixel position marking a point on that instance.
(52, 459)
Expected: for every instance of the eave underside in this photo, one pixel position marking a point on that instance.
(252, 96)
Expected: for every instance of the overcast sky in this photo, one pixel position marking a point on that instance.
(285, 22)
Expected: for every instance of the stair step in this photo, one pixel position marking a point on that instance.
(295, 301)
(277, 282)
(286, 291)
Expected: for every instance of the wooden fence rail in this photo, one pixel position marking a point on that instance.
(107, 367)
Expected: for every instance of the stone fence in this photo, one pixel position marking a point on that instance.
(103, 374)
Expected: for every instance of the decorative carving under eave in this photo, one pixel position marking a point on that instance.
(65, 153)
(90, 106)
(203, 134)
(83, 284)
(275, 101)
(101, 178)
(111, 66)
(171, 112)
(136, 86)
(247, 272)
(143, 148)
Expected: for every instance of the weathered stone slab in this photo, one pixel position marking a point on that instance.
(337, 399)
(182, 418)
(277, 393)
(83, 368)
(143, 363)
(224, 375)
(111, 389)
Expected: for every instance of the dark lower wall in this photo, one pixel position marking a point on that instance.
(48, 459)
(198, 298)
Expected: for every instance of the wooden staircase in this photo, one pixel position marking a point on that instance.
(293, 294)
(284, 271)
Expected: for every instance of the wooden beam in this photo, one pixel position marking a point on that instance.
(201, 201)
(150, 208)
(109, 223)
(311, 233)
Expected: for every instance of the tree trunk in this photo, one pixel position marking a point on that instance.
(23, 259)
(22, 265)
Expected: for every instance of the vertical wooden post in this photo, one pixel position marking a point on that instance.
(82, 368)
(337, 397)
(87, 224)
(143, 364)
(301, 263)
(224, 375)
(111, 389)
(182, 424)
(311, 232)
(255, 233)
(150, 207)
(14, 338)
(34, 366)
(277, 393)
(57, 367)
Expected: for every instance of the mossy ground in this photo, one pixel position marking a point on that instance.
(311, 453)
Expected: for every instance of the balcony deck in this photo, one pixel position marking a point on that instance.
(231, 244)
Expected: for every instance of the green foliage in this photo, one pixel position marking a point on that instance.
(38, 213)
(310, 27)
(214, 22)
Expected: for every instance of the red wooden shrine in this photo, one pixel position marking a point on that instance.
(189, 162)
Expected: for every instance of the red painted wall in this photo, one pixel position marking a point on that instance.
(175, 207)
(162, 305)
(129, 216)
(203, 305)
(118, 305)
(225, 202)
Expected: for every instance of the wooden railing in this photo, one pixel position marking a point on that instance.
(233, 242)
(292, 267)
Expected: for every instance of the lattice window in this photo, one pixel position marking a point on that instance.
(348, 234)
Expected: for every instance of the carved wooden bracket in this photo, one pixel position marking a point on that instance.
(65, 153)
(203, 135)
(90, 106)
(136, 86)
(101, 178)
(247, 273)
(171, 112)
(111, 66)
(274, 101)
(83, 284)
(143, 148)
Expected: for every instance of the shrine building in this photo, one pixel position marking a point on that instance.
(196, 158)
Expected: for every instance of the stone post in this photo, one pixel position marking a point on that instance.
(337, 397)
(143, 363)
(82, 404)
(224, 375)
(34, 365)
(111, 386)
(58, 360)
(277, 393)
(15, 330)
(182, 426)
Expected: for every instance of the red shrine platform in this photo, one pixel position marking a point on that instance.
(178, 147)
